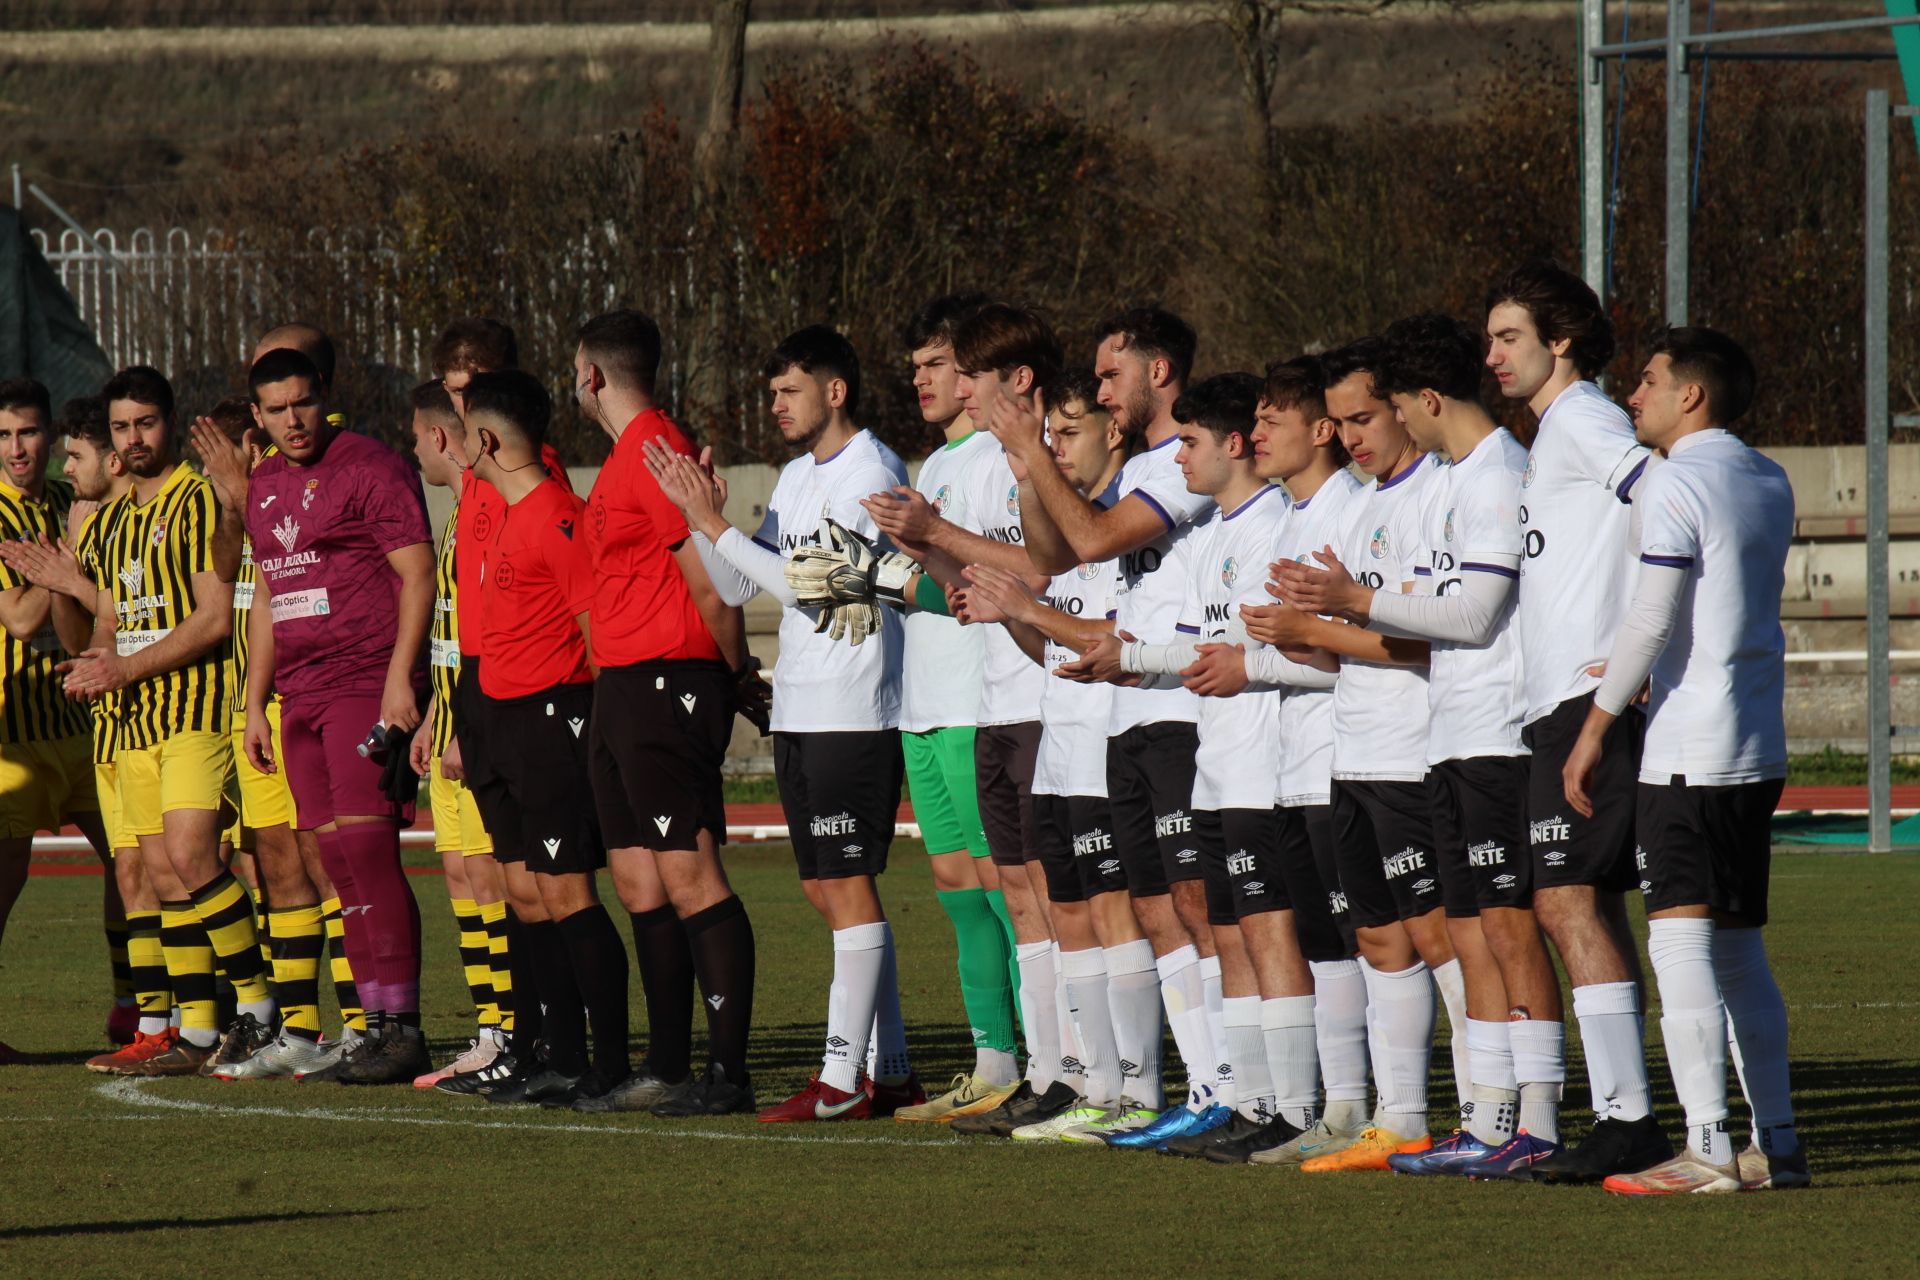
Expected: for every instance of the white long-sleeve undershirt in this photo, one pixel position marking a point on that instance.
(1267, 668)
(741, 568)
(1642, 635)
(1467, 617)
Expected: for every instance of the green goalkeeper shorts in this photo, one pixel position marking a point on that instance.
(940, 780)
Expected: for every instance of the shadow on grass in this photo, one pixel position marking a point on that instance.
(57, 1230)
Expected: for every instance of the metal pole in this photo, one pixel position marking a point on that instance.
(1593, 149)
(1879, 667)
(1679, 103)
(16, 184)
(1792, 31)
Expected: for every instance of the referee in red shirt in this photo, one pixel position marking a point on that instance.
(673, 669)
(535, 585)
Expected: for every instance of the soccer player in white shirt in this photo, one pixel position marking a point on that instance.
(1548, 337)
(1703, 630)
(1478, 776)
(836, 708)
(1142, 360)
(1389, 869)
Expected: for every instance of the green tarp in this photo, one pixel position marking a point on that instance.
(41, 333)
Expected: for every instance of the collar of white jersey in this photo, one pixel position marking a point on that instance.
(1579, 386)
(1265, 491)
(1693, 438)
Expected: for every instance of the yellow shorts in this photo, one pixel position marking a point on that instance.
(265, 798)
(43, 783)
(456, 819)
(106, 785)
(187, 771)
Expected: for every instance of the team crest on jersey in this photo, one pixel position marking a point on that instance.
(1229, 570)
(1526, 480)
(159, 532)
(503, 575)
(1447, 531)
(599, 515)
(287, 532)
(1013, 502)
(941, 498)
(1087, 572)
(306, 499)
(482, 526)
(1381, 543)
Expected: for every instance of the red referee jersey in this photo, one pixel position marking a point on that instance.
(477, 523)
(642, 609)
(536, 579)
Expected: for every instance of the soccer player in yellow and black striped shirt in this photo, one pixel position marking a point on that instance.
(474, 880)
(164, 656)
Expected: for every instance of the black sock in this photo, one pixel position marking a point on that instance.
(600, 971)
(527, 1023)
(666, 980)
(565, 1017)
(721, 939)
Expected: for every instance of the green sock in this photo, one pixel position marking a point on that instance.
(997, 901)
(984, 988)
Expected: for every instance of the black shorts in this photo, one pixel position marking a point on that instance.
(841, 793)
(1710, 846)
(1075, 835)
(1388, 868)
(470, 732)
(1150, 788)
(1240, 855)
(1003, 756)
(660, 732)
(536, 794)
(1480, 826)
(1567, 848)
(1309, 867)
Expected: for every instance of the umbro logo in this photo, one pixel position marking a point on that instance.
(837, 1042)
(566, 529)
(716, 1001)
(1254, 886)
(576, 724)
(687, 700)
(663, 823)
(1072, 1066)
(553, 848)
(1129, 1068)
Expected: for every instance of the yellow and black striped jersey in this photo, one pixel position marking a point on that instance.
(445, 640)
(151, 552)
(33, 706)
(243, 588)
(88, 549)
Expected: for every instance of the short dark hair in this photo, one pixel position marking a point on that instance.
(1431, 352)
(1562, 306)
(280, 364)
(475, 342)
(431, 397)
(142, 384)
(312, 342)
(1716, 362)
(234, 417)
(999, 338)
(1299, 383)
(626, 346)
(85, 418)
(1362, 355)
(1077, 383)
(1224, 404)
(1155, 332)
(27, 393)
(818, 349)
(516, 398)
(937, 321)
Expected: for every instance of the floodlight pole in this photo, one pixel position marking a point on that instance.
(1679, 140)
(1593, 148)
(1879, 603)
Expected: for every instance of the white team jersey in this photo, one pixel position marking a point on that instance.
(1072, 760)
(1576, 526)
(1477, 694)
(1724, 513)
(1380, 711)
(1153, 580)
(1306, 715)
(821, 685)
(1011, 694)
(1237, 765)
(944, 660)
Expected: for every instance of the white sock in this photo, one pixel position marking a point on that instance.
(1211, 986)
(1133, 991)
(1496, 1094)
(1611, 1031)
(152, 1024)
(1288, 1025)
(1085, 975)
(1186, 999)
(1540, 1067)
(859, 956)
(995, 1066)
(1073, 1070)
(173, 1017)
(1453, 992)
(1757, 1021)
(1247, 1055)
(262, 1011)
(1693, 1023)
(887, 1059)
(1340, 1033)
(1401, 1008)
(1037, 1012)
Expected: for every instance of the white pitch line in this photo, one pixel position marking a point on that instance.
(130, 1093)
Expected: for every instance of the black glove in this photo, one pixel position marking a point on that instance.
(398, 782)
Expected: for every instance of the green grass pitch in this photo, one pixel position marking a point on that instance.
(192, 1177)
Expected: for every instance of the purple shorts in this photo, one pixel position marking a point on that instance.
(319, 740)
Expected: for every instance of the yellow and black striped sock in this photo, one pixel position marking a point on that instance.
(118, 961)
(352, 1015)
(298, 939)
(474, 964)
(188, 954)
(228, 914)
(147, 970)
(493, 915)
(261, 923)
